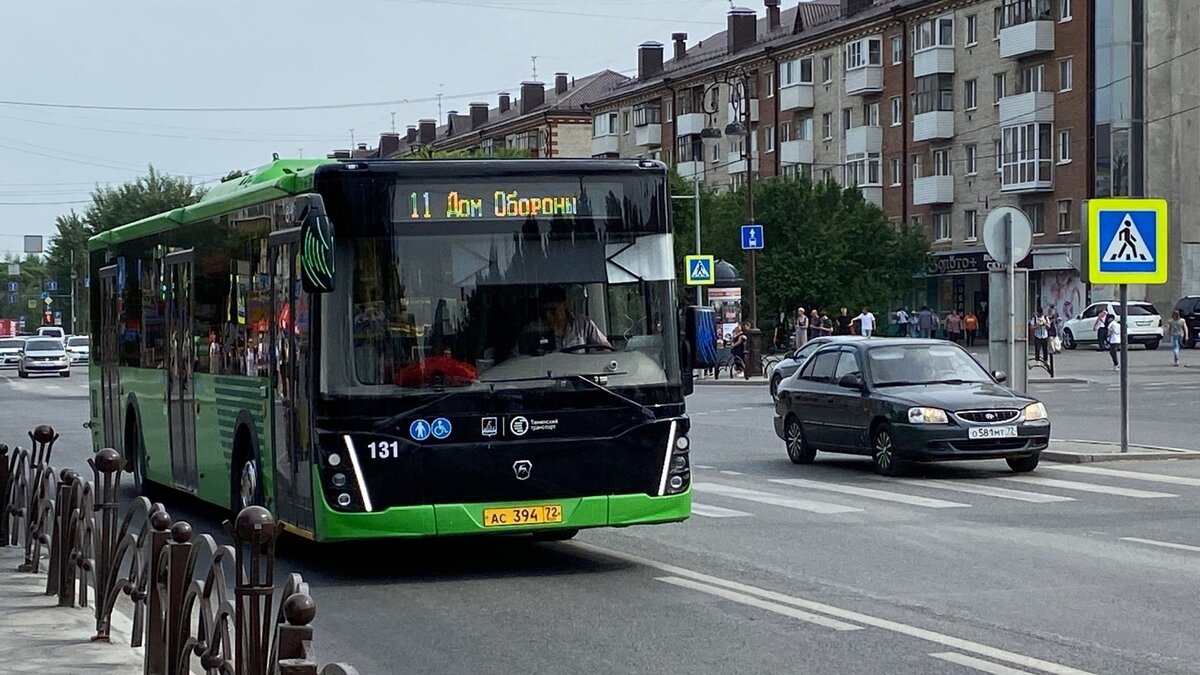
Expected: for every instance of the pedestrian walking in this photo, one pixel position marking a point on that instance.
(866, 322)
(1040, 327)
(826, 325)
(913, 329)
(971, 323)
(1101, 328)
(902, 323)
(1054, 328)
(843, 322)
(801, 329)
(954, 326)
(738, 347)
(814, 324)
(1177, 333)
(1114, 340)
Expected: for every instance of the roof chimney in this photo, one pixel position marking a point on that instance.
(680, 40)
(772, 13)
(560, 83)
(505, 102)
(742, 30)
(479, 115)
(426, 131)
(650, 60)
(533, 95)
(410, 134)
(451, 127)
(389, 143)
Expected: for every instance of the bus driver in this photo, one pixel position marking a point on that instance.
(567, 328)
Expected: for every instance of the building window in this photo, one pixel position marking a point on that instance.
(915, 162)
(1064, 216)
(972, 30)
(796, 71)
(999, 86)
(971, 94)
(871, 114)
(647, 114)
(941, 227)
(972, 159)
(626, 127)
(826, 175)
(605, 125)
(1037, 217)
(826, 70)
(785, 132)
(804, 128)
(1064, 10)
(862, 53)
(914, 223)
(864, 169)
(894, 168)
(934, 93)
(1033, 78)
(827, 126)
(771, 138)
(941, 162)
(934, 33)
(897, 50)
(897, 111)
(999, 157)
(971, 225)
(1027, 154)
(716, 157)
(1064, 146)
(1017, 12)
(670, 106)
(847, 119)
(997, 19)
(770, 84)
(1066, 75)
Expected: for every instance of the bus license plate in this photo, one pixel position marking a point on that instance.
(978, 433)
(522, 515)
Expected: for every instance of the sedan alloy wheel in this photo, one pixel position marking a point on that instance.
(884, 453)
(798, 450)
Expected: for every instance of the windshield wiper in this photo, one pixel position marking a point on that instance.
(587, 378)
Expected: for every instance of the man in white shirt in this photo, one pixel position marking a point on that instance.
(902, 323)
(1114, 341)
(866, 322)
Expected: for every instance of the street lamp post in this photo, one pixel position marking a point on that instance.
(695, 197)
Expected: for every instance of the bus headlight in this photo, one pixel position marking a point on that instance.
(334, 459)
(343, 499)
(682, 443)
(675, 482)
(339, 480)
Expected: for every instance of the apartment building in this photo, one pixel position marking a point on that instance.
(938, 110)
(541, 122)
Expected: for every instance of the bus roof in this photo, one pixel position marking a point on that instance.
(280, 178)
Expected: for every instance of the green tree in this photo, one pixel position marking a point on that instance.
(149, 195)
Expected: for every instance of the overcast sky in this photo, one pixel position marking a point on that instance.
(271, 53)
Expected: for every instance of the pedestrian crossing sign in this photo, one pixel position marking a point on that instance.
(1127, 241)
(699, 270)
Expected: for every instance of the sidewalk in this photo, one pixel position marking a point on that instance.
(1079, 452)
(38, 636)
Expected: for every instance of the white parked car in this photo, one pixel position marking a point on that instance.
(44, 355)
(10, 351)
(78, 348)
(1144, 325)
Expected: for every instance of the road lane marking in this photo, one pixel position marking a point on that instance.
(1132, 475)
(752, 601)
(978, 664)
(949, 641)
(716, 511)
(773, 499)
(1087, 487)
(1163, 544)
(985, 490)
(701, 466)
(732, 473)
(911, 500)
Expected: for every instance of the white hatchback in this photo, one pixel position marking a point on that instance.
(1144, 327)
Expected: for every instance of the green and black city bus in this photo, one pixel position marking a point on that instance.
(370, 349)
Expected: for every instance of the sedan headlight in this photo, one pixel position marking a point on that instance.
(1035, 411)
(927, 416)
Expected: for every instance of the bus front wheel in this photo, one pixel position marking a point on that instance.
(246, 487)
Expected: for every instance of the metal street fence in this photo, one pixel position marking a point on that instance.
(195, 602)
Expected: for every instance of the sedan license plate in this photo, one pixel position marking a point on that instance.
(979, 433)
(522, 515)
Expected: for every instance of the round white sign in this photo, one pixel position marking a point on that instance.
(997, 240)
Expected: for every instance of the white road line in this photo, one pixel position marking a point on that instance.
(732, 473)
(1163, 544)
(716, 511)
(701, 466)
(974, 488)
(752, 601)
(911, 500)
(773, 499)
(1132, 475)
(949, 641)
(978, 664)
(1087, 487)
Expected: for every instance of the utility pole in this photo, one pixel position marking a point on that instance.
(748, 154)
(695, 197)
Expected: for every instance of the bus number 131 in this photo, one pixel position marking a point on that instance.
(384, 449)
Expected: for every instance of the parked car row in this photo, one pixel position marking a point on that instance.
(48, 352)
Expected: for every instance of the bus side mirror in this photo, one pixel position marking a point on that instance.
(316, 245)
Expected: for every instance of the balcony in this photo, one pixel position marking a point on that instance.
(691, 170)
(1029, 175)
(737, 163)
(796, 152)
(609, 144)
(864, 140)
(935, 125)
(648, 136)
(864, 80)
(873, 195)
(1026, 39)
(1035, 106)
(734, 115)
(688, 124)
(933, 61)
(796, 97)
(933, 190)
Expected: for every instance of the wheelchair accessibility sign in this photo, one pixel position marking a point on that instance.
(1127, 241)
(700, 270)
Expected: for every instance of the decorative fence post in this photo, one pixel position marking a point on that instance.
(254, 532)
(155, 623)
(6, 481)
(294, 642)
(60, 577)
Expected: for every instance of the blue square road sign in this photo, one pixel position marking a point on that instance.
(700, 270)
(1127, 241)
(752, 237)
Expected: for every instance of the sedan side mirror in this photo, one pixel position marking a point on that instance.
(999, 375)
(851, 381)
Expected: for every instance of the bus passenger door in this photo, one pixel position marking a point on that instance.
(107, 358)
(290, 334)
(180, 359)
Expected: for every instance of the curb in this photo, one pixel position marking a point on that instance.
(1142, 452)
(733, 381)
(1058, 380)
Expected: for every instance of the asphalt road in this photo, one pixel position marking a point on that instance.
(817, 569)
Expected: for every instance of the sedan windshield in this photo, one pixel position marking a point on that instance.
(898, 365)
(43, 346)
